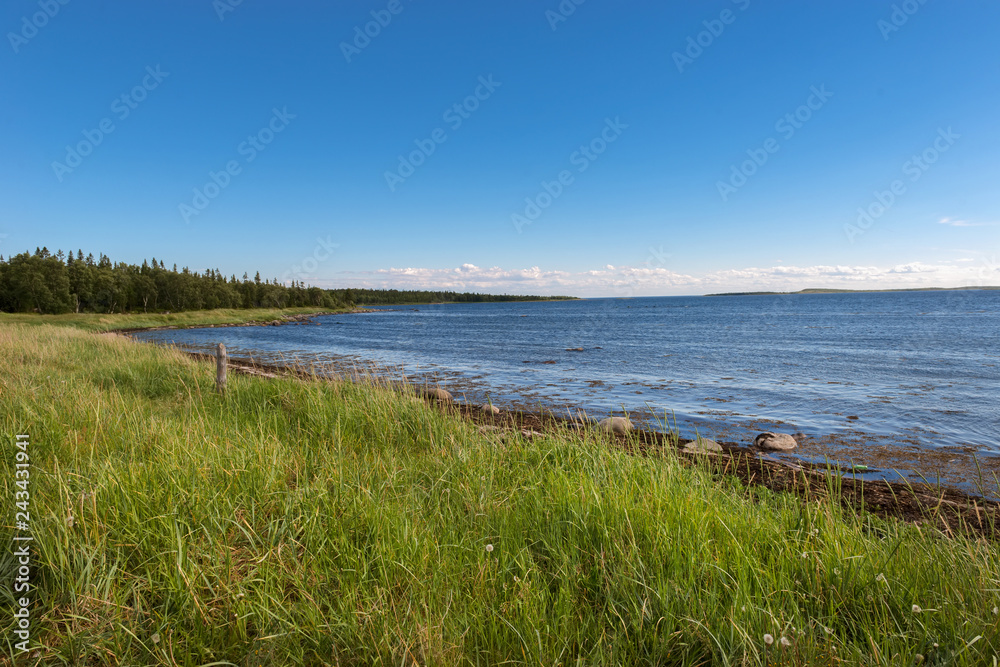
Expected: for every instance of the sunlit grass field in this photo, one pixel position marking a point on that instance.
(316, 522)
(190, 318)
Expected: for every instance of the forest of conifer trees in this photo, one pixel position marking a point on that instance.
(64, 283)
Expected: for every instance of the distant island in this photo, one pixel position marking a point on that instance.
(822, 290)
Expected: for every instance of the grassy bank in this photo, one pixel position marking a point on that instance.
(192, 318)
(300, 522)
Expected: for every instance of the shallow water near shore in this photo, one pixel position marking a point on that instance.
(906, 383)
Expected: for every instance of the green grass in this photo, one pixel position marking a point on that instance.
(191, 318)
(298, 522)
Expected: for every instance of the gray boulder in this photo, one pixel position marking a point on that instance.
(615, 425)
(702, 446)
(774, 441)
(490, 409)
(435, 394)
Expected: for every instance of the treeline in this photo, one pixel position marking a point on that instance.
(61, 283)
(389, 297)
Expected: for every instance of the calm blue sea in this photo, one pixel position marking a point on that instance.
(897, 370)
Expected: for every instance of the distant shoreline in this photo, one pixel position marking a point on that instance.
(820, 290)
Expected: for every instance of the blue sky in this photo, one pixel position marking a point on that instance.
(709, 146)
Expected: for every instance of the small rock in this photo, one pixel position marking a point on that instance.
(774, 441)
(615, 425)
(574, 349)
(490, 409)
(702, 446)
(529, 433)
(435, 394)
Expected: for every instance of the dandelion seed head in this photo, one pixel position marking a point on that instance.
(489, 548)
(155, 638)
(785, 642)
(768, 639)
(917, 609)
(880, 577)
(804, 555)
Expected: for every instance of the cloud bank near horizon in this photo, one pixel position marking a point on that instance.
(645, 280)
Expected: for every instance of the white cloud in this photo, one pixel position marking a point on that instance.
(613, 280)
(965, 223)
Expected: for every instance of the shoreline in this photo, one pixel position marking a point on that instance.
(285, 320)
(870, 455)
(293, 504)
(949, 509)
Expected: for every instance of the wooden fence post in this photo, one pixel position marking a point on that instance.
(220, 368)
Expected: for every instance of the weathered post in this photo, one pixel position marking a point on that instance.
(220, 368)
